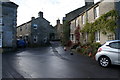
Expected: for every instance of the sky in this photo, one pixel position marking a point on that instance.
(52, 9)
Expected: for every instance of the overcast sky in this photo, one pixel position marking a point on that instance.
(52, 9)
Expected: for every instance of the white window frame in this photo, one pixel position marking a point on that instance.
(96, 12)
(83, 19)
(35, 26)
(1, 40)
(97, 36)
(72, 37)
(35, 37)
(86, 36)
(77, 22)
(72, 27)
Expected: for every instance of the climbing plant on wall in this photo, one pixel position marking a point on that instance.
(77, 34)
(105, 23)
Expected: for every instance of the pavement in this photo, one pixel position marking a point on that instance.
(53, 62)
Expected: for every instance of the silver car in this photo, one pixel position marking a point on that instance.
(109, 53)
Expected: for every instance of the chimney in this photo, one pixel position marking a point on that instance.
(89, 2)
(58, 21)
(32, 18)
(64, 19)
(40, 14)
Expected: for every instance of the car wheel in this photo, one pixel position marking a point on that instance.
(104, 61)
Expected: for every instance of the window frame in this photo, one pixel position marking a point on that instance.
(72, 37)
(83, 19)
(20, 28)
(110, 37)
(35, 26)
(97, 36)
(96, 12)
(35, 39)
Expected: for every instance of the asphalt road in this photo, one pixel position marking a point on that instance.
(53, 62)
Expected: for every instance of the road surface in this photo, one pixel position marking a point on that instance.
(53, 62)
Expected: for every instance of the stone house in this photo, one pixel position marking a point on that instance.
(70, 16)
(8, 18)
(58, 30)
(90, 15)
(36, 32)
(73, 14)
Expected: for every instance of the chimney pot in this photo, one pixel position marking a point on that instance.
(89, 2)
(32, 18)
(58, 21)
(40, 14)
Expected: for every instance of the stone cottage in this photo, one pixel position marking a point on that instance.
(8, 18)
(36, 32)
(89, 16)
(70, 16)
(58, 30)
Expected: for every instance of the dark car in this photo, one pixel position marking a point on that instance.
(21, 44)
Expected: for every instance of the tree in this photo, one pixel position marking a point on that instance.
(66, 32)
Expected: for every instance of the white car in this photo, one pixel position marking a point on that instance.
(109, 53)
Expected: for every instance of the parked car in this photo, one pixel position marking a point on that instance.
(21, 44)
(109, 53)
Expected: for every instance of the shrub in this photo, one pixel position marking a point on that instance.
(89, 49)
(94, 47)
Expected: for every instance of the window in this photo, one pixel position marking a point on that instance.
(35, 26)
(26, 27)
(86, 16)
(0, 39)
(97, 36)
(26, 38)
(71, 27)
(72, 37)
(115, 45)
(35, 39)
(86, 36)
(20, 28)
(110, 37)
(83, 19)
(77, 22)
(96, 12)
(0, 20)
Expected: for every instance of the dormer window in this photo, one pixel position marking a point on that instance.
(35, 26)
